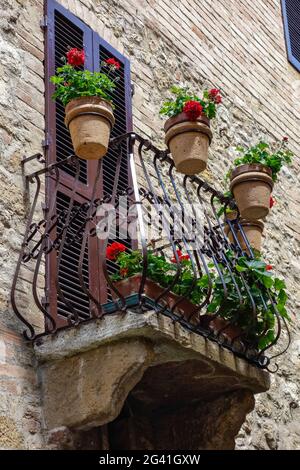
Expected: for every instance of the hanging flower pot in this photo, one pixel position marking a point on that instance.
(253, 231)
(87, 99)
(251, 186)
(252, 181)
(187, 130)
(188, 142)
(89, 120)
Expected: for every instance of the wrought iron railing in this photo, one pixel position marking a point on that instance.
(182, 213)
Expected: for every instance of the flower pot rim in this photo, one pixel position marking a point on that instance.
(88, 99)
(182, 117)
(249, 223)
(249, 168)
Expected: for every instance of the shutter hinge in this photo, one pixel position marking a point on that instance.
(46, 141)
(132, 89)
(44, 22)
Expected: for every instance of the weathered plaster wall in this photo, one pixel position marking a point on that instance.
(236, 44)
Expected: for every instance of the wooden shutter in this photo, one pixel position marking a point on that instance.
(114, 167)
(291, 18)
(65, 31)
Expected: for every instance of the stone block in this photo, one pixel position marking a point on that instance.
(89, 389)
(88, 373)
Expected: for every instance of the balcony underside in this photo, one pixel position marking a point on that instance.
(134, 370)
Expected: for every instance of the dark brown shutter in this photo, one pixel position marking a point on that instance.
(291, 17)
(65, 31)
(114, 167)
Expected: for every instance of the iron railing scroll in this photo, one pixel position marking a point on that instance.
(181, 213)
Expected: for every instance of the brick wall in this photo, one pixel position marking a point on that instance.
(236, 44)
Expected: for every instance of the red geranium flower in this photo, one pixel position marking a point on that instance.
(272, 202)
(192, 109)
(215, 95)
(113, 62)
(123, 272)
(114, 250)
(285, 139)
(214, 92)
(75, 57)
(180, 256)
(269, 267)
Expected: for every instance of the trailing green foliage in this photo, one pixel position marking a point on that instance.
(258, 328)
(273, 156)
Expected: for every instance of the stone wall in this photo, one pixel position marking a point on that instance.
(235, 44)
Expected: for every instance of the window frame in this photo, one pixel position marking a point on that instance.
(291, 58)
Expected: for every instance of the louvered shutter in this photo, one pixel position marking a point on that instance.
(114, 167)
(291, 18)
(65, 31)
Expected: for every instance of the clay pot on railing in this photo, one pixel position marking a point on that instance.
(90, 120)
(251, 186)
(188, 142)
(253, 231)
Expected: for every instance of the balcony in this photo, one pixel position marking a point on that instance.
(148, 329)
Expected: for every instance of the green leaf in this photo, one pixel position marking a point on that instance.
(279, 284)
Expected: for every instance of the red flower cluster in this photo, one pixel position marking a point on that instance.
(285, 139)
(113, 62)
(180, 256)
(272, 202)
(269, 267)
(75, 57)
(124, 272)
(192, 109)
(114, 250)
(215, 95)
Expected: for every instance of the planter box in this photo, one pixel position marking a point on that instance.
(152, 290)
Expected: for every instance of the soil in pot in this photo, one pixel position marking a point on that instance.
(90, 120)
(188, 142)
(251, 186)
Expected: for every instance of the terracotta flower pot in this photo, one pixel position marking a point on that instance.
(253, 231)
(219, 325)
(252, 186)
(188, 142)
(232, 215)
(89, 120)
(152, 290)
